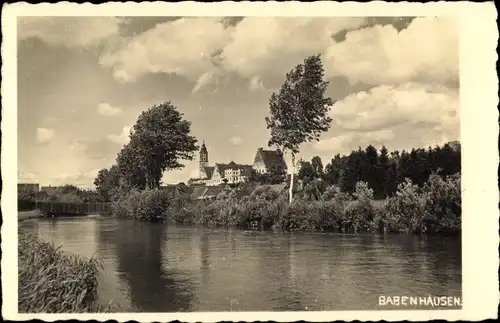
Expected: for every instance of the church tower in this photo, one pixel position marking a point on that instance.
(203, 160)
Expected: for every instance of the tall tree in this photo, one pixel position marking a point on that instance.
(298, 113)
(107, 183)
(383, 169)
(317, 165)
(306, 172)
(130, 168)
(159, 141)
(332, 170)
(371, 166)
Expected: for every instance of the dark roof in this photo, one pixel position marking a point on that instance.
(212, 192)
(188, 190)
(222, 167)
(242, 166)
(209, 170)
(271, 158)
(203, 148)
(198, 192)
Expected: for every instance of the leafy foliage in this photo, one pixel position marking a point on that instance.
(384, 171)
(148, 205)
(53, 281)
(276, 174)
(298, 112)
(159, 141)
(435, 207)
(107, 183)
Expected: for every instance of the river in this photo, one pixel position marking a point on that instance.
(170, 268)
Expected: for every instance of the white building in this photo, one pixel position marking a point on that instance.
(264, 162)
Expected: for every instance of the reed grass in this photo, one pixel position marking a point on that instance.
(54, 281)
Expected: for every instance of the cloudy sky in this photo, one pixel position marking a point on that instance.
(83, 81)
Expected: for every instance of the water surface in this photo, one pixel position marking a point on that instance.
(169, 268)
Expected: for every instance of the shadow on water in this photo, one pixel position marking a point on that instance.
(139, 249)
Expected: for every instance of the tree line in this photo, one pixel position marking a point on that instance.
(381, 169)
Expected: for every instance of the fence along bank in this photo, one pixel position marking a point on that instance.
(51, 208)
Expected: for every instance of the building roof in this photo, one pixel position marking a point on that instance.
(213, 192)
(203, 148)
(198, 192)
(209, 170)
(187, 190)
(270, 158)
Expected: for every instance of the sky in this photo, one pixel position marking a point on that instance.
(83, 81)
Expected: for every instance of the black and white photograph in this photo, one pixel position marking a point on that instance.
(198, 163)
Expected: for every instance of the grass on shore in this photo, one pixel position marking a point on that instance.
(53, 281)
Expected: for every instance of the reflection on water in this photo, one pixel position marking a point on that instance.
(165, 268)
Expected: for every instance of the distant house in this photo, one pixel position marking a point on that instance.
(177, 190)
(212, 193)
(232, 173)
(199, 192)
(267, 160)
(29, 187)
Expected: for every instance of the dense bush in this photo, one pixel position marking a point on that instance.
(149, 205)
(404, 212)
(52, 281)
(443, 207)
(435, 207)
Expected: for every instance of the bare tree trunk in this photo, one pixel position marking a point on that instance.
(290, 194)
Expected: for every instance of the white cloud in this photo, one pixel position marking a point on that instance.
(235, 140)
(256, 84)
(44, 135)
(262, 48)
(69, 31)
(255, 47)
(183, 47)
(80, 179)
(26, 176)
(78, 145)
(348, 141)
(204, 80)
(107, 110)
(408, 115)
(272, 46)
(427, 51)
(121, 138)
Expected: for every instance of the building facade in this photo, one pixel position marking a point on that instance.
(232, 173)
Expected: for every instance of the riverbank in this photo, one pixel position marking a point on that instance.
(434, 208)
(54, 281)
(27, 215)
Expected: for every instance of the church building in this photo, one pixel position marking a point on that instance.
(264, 161)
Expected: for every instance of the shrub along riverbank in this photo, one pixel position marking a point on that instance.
(53, 281)
(434, 207)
